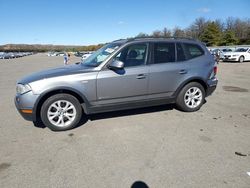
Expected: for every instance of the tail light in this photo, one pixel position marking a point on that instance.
(215, 70)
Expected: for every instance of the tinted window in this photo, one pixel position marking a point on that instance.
(191, 50)
(133, 55)
(164, 52)
(241, 50)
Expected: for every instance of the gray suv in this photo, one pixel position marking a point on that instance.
(123, 74)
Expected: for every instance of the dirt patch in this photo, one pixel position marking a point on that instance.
(205, 139)
(71, 134)
(4, 166)
(234, 89)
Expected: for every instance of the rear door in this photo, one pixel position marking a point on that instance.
(165, 73)
(172, 64)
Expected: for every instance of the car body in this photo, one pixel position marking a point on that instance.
(121, 75)
(2, 55)
(79, 54)
(7, 56)
(239, 55)
(60, 54)
(219, 52)
(86, 55)
(224, 50)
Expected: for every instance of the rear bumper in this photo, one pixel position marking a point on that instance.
(212, 84)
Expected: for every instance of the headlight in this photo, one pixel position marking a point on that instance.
(235, 55)
(21, 89)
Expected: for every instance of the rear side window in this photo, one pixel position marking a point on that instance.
(186, 51)
(164, 52)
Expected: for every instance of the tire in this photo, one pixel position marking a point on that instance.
(241, 59)
(64, 110)
(188, 99)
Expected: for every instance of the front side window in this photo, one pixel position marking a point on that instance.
(133, 55)
(101, 55)
(164, 52)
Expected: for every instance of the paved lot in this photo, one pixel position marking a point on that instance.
(159, 146)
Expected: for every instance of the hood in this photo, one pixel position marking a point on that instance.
(60, 71)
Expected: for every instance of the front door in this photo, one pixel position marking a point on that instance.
(129, 84)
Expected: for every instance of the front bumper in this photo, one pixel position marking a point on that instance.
(25, 105)
(230, 59)
(212, 84)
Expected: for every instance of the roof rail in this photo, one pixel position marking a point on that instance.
(152, 38)
(118, 40)
(187, 38)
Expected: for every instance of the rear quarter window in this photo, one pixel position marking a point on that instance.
(186, 51)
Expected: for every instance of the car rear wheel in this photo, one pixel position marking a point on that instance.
(61, 112)
(241, 59)
(191, 97)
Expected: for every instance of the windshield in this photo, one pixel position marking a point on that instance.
(241, 50)
(101, 55)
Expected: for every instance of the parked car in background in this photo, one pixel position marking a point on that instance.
(8, 55)
(121, 75)
(239, 55)
(1, 55)
(60, 54)
(219, 53)
(79, 54)
(224, 50)
(86, 55)
(11, 55)
(52, 53)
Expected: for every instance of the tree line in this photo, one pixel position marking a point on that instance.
(232, 31)
(46, 48)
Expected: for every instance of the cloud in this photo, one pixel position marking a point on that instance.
(204, 10)
(121, 23)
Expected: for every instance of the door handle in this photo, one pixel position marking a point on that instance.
(183, 71)
(141, 76)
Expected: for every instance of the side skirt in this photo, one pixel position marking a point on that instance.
(127, 105)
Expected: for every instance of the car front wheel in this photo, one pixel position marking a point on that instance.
(241, 59)
(61, 112)
(191, 97)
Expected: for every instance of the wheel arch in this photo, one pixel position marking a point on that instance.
(67, 90)
(193, 79)
(241, 56)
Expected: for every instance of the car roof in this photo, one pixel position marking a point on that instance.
(156, 39)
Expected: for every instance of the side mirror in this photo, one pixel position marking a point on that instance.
(116, 64)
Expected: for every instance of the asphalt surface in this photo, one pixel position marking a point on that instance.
(159, 146)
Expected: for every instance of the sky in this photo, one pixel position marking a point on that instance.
(79, 22)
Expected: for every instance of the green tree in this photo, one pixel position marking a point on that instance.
(229, 38)
(211, 35)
